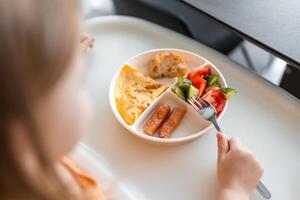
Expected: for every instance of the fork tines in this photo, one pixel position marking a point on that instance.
(193, 105)
(199, 102)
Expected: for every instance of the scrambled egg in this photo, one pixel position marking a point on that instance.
(135, 92)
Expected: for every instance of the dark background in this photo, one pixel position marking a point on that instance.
(183, 18)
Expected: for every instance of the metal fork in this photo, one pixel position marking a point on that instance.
(209, 113)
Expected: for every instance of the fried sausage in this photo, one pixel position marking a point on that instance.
(167, 128)
(156, 119)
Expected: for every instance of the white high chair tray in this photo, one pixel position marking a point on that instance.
(263, 116)
(112, 187)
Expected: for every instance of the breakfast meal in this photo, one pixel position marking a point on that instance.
(167, 64)
(134, 92)
(162, 120)
(167, 128)
(157, 118)
(200, 82)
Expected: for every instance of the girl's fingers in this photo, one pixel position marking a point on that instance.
(222, 144)
(91, 42)
(87, 43)
(234, 143)
(84, 36)
(87, 40)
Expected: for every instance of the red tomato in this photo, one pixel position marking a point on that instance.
(201, 87)
(198, 82)
(199, 72)
(216, 98)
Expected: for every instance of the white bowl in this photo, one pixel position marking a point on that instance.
(193, 125)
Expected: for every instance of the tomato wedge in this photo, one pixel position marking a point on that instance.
(200, 84)
(199, 72)
(216, 98)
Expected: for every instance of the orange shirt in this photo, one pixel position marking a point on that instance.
(89, 187)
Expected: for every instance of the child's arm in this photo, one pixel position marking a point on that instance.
(238, 170)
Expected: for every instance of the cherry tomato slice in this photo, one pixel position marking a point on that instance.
(202, 86)
(199, 72)
(216, 98)
(198, 82)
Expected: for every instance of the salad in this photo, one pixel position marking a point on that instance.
(202, 83)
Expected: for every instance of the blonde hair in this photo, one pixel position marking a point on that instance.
(37, 42)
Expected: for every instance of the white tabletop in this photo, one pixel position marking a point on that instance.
(264, 117)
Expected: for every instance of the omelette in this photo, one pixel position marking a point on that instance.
(134, 92)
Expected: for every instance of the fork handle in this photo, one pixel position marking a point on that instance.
(261, 188)
(213, 120)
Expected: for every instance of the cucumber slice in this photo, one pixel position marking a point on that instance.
(228, 92)
(184, 86)
(182, 80)
(183, 83)
(187, 81)
(179, 80)
(212, 79)
(192, 92)
(179, 92)
(217, 86)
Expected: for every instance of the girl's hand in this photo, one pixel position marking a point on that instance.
(238, 170)
(86, 41)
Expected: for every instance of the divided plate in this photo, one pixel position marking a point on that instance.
(192, 125)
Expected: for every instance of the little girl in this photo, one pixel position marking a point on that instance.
(44, 110)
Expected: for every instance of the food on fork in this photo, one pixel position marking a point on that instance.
(167, 128)
(156, 119)
(167, 64)
(134, 92)
(202, 83)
